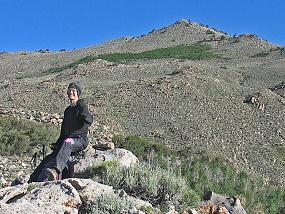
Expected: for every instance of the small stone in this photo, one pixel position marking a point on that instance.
(104, 146)
(42, 114)
(132, 210)
(3, 181)
(53, 121)
(172, 210)
(20, 173)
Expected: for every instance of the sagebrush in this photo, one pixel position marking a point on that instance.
(197, 51)
(207, 171)
(148, 182)
(23, 137)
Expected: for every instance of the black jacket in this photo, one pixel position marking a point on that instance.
(75, 122)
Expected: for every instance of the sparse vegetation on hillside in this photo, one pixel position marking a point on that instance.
(142, 147)
(198, 105)
(149, 182)
(205, 171)
(43, 51)
(261, 54)
(195, 52)
(113, 203)
(108, 204)
(19, 137)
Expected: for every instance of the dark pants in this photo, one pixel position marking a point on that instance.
(60, 158)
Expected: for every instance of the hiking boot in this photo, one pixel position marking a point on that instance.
(51, 174)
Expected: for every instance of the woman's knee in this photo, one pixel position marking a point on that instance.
(68, 141)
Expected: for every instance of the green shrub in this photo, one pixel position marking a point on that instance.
(261, 54)
(206, 171)
(149, 182)
(32, 186)
(18, 136)
(73, 64)
(107, 204)
(211, 172)
(194, 52)
(150, 210)
(175, 72)
(142, 147)
(98, 172)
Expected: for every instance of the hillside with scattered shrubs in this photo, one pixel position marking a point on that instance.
(209, 105)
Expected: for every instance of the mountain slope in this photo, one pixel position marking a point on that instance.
(186, 104)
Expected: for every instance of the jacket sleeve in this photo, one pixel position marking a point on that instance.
(61, 136)
(84, 114)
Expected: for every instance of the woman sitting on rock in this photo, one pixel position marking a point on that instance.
(73, 137)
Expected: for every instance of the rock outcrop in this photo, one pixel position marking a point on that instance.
(51, 197)
(218, 204)
(65, 196)
(70, 195)
(42, 117)
(92, 157)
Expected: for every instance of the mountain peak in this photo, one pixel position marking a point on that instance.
(186, 21)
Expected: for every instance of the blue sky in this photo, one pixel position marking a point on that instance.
(68, 24)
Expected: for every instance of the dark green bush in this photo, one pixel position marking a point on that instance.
(206, 171)
(261, 54)
(210, 172)
(194, 52)
(148, 182)
(98, 172)
(143, 147)
(107, 204)
(19, 137)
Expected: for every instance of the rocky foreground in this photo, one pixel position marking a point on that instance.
(73, 194)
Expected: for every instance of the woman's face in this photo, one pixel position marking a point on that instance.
(72, 94)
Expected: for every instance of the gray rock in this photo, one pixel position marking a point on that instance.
(123, 156)
(9, 193)
(23, 207)
(88, 189)
(92, 156)
(232, 204)
(104, 145)
(50, 197)
(64, 196)
(133, 210)
(139, 203)
(20, 180)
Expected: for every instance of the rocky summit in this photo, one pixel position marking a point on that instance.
(187, 86)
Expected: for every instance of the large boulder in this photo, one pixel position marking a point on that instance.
(88, 189)
(209, 208)
(232, 204)
(8, 194)
(49, 197)
(218, 204)
(92, 156)
(65, 196)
